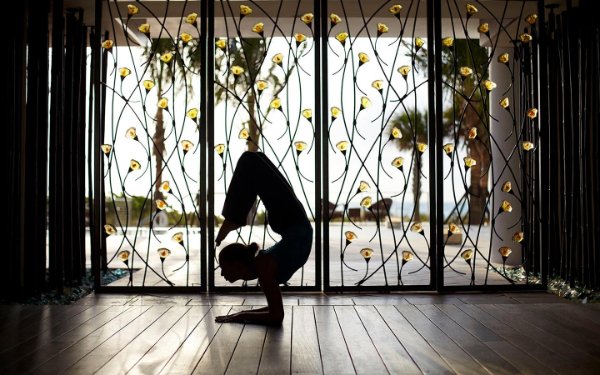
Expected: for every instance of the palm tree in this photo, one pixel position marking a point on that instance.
(413, 127)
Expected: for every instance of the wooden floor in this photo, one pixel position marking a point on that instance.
(516, 333)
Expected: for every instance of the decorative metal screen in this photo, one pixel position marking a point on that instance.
(152, 143)
(264, 101)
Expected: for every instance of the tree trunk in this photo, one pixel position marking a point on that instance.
(478, 149)
(252, 124)
(158, 150)
(417, 188)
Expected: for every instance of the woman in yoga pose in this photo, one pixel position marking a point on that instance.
(255, 175)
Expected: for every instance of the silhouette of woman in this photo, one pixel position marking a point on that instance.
(255, 175)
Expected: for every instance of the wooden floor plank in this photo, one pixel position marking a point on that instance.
(370, 300)
(391, 351)
(568, 319)
(218, 354)
(334, 352)
(460, 361)
(583, 312)
(24, 323)
(120, 340)
(426, 358)
(476, 349)
(128, 356)
(63, 342)
(189, 353)
(560, 328)
(306, 358)
(160, 353)
(364, 355)
(248, 351)
(542, 337)
(277, 349)
(68, 357)
(57, 328)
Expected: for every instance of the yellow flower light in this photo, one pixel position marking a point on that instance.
(307, 113)
(124, 72)
(341, 37)
(395, 9)
(334, 19)
(300, 38)
(453, 229)
(350, 236)
(419, 42)
(528, 146)
(108, 44)
(261, 85)
(366, 202)
(144, 29)
(398, 162)
(123, 256)
(166, 57)
(525, 38)
(531, 19)
(377, 84)
(484, 28)
(307, 18)
(165, 187)
(366, 253)
(276, 103)
(505, 251)
(106, 149)
(504, 103)
(160, 204)
(407, 256)
(178, 237)
(507, 186)
(489, 85)
(185, 37)
(448, 42)
(504, 58)
(363, 57)
(404, 70)
(134, 165)
(342, 146)
(506, 206)
(132, 10)
(245, 10)
(236, 70)
(220, 149)
(421, 147)
(109, 229)
(148, 84)
(258, 28)
(186, 146)
(163, 253)
(472, 133)
(469, 162)
(277, 58)
(163, 103)
(335, 112)
(417, 228)
(243, 134)
(221, 43)
(382, 28)
(467, 255)
(518, 237)
(532, 113)
(192, 113)
(396, 133)
(471, 10)
(131, 133)
(448, 148)
(364, 102)
(363, 186)
(300, 146)
(465, 71)
(191, 18)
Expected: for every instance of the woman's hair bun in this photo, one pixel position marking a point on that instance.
(253, 247)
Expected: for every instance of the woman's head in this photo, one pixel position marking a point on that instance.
(237, 261)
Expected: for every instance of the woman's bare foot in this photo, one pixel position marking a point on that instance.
(226, 227)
